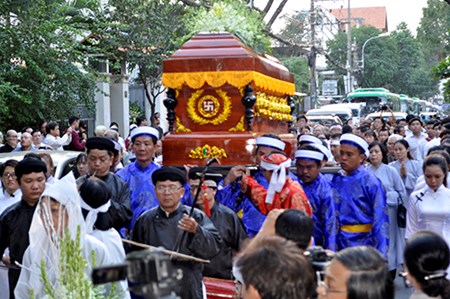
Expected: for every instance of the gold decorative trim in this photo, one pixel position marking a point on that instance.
(207, 151)
(239, 127)
(238, 79)
(179, 126)
(272, 107)
(194, 103)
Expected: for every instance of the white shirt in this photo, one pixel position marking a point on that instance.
(429, 210)
(57, 143)
(417, 145)
(6, 200)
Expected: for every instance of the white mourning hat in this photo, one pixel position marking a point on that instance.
(308, 154)
(324, 150)
(310, 139)
(144, 131)
(270, 142)
(355, 141)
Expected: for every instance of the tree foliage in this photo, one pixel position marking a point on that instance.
(434, 36)
(39, 47)
(143, 33)
(395, 62)
(299, 67)
(234, 17)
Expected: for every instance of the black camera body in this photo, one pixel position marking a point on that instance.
(318, 257)
(150, 273)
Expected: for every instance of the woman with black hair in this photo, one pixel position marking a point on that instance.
(429, 208)
(395, 194)
(408, 168)
(80, 167)
(427, 259)
(355, 273)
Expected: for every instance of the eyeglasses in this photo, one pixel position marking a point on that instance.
(9, 175)
(170, 189)
(13, 136)
(326, 289)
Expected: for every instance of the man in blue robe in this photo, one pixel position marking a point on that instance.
(359, 199)
(309, 161)
(138, 175)
(229, 192)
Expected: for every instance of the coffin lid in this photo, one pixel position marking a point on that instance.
(220, 58)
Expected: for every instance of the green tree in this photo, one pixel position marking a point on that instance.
(413, 76)
(143, 33)
(42, 60)
(299, 67)
(433, 32)
(234, 17)
(442, 71)
(395, 62)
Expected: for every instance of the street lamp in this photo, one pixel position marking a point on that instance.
(364, 46)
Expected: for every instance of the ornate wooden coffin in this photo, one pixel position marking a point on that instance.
(221, 96)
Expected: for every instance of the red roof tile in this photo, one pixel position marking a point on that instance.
(373, 16)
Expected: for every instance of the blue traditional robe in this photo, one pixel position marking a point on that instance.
(360, 202)
(324, 215)
(142, 193)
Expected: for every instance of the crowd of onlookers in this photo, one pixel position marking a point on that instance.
(260, 228)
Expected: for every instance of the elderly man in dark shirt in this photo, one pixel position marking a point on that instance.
(165, 224)
(15, 221)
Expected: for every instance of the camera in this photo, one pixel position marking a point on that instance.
(384, 107)
(318, 257)
(150, 273)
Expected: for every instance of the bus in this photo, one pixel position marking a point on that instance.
(375, 99)
(406, 103)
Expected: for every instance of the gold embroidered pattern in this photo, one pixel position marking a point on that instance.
(180, 128)
(239, 126)
(208, 109)
(206, 151)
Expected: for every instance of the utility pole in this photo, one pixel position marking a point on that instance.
(348, 65)
(312, 57)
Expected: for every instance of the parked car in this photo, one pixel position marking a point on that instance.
(385, 115)
(326, 120)
(63, 161)
(356, 108)
(427, 116)
(343, 113)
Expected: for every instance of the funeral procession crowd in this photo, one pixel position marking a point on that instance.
(384, 210)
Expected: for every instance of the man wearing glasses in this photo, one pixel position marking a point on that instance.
(11, 142)
(356, 272)
(165, 225)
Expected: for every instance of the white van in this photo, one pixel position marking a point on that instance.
(385, 115)
(355, 107)
(343, 113)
